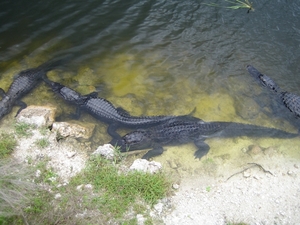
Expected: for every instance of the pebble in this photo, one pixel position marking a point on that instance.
(175, 186)
(57, 196)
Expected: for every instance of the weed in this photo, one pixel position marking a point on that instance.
(42, 143)
(118, 190)
(43, 130)
(236, 4)
(23, 129)
(46, 175)
(14, 193)
(7, 144)
(208, 161)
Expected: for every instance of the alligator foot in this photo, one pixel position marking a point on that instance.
(203, 149)
(154, 152)
(22, 106)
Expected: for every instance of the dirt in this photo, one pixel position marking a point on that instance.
(254, 186)
(264, 190)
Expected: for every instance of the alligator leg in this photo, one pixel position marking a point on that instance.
(112, 131)
(2, 93)
(203, 148)
(77, 114)
(22, 106)
(154, 152)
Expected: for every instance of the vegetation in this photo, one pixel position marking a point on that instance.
(14, 191)
(117, 191)
(98, 195)
(23, 129)
(7, 144)
(236, 4)
(43, 143)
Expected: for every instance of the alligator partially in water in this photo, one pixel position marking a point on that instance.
(290, 100)
(22, 84)
(182, 130)
(104, 111)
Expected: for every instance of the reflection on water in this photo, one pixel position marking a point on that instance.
(161, 57)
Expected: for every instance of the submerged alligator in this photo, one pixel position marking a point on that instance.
(22, 84)
(104, 110)
(182, 130)
(290, 100)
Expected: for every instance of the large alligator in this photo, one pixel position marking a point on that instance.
(182, 130)
(104, 110)
(22, 84)
(290, 100)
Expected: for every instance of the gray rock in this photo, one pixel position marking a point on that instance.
(146, 166)
(37, 115)
(140, 219)
(74, 129)
(106, 151)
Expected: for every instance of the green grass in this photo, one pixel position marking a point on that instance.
(15, 189)
(42, 143)
(119, 190)
(112, 196)
(23, 129)
(7, 144)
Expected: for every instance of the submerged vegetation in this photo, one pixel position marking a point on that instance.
(237, 4)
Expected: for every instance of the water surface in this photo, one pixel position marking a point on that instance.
(161, 57)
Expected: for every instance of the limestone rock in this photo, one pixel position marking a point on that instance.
(145, 166)
(77, 130)
(106, 150)
(37, 115)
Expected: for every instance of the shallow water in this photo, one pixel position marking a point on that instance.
(161, 57)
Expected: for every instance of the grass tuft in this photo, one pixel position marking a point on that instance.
(119, 190)
(7, 144)
(23, 129)
(42, 143)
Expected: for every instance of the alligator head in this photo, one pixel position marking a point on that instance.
(135, 140)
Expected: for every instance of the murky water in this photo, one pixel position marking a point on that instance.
(161, 57)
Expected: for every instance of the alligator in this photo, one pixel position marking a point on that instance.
(182, 130)
(290, 100)
(22, 84)
(104, 110)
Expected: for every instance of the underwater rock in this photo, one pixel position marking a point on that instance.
(254, 150)
(37, 115)
(77, 130)
(106, 151)
(145, 166)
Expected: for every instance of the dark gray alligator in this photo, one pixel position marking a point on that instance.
(104, 111)
(22, 84)
(183, 130)
(290, 100)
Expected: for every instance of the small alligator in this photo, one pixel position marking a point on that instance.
(22, 84)
(104, 110)
(182, 130)
(290, 100)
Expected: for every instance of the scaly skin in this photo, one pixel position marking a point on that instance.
(290, 100)
(182, 130)
(104, 111)
(23, 83)
(264, 80)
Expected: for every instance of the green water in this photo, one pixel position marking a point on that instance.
(161, 57)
